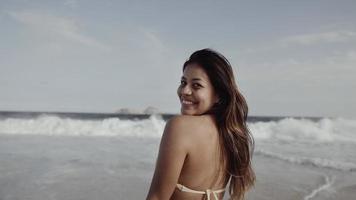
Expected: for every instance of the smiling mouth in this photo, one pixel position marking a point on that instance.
(185, 102)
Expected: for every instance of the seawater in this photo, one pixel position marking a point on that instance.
(321, 143)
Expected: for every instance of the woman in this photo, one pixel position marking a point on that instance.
(209, 144)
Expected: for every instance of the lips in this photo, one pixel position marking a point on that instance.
(187, 102)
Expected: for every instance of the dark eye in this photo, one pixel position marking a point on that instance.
(196, 85)
(182, 82)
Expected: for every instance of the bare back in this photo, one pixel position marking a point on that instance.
(202, 168)
(189, 154)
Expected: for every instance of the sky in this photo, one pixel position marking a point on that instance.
(290, 58)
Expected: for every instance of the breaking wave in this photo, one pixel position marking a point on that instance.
(53, 125)
(310, 161)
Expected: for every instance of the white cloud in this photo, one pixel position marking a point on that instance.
(66, 28)
(325, 37)
(152, 45)
(152, 40)
(303, 40)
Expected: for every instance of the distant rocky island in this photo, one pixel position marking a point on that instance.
(150, 110)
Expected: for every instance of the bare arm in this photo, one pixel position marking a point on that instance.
(172, 152)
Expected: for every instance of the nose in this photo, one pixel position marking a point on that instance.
(186, 90)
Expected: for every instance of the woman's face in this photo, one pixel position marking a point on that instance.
(196, 92)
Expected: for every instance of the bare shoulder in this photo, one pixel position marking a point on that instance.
(183, 121)
(179, 125)
(188, 125)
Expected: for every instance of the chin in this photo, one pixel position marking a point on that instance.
(190, 112)
(184, 112)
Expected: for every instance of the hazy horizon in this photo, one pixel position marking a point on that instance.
(142, 112)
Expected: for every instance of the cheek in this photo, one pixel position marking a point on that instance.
(203, 98)
(178, 91)
(208, 99)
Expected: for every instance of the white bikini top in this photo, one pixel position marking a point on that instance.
(207, 192)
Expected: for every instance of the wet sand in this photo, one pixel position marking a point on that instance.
(66, 168)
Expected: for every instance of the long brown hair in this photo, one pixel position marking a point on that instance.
(230, 113)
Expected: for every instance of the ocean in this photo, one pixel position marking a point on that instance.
(91, 156)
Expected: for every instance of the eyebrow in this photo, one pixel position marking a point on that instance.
(194, 79)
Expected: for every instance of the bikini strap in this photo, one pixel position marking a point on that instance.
(207, 192)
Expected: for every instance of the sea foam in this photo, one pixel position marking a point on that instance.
(309, 161)
(53, 125)
(287, 129)
(291, 129)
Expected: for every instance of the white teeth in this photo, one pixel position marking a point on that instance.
(187, 102)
